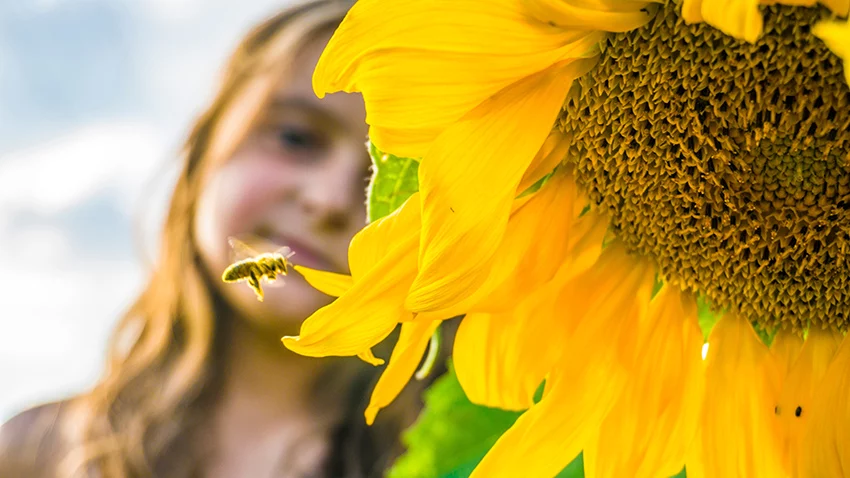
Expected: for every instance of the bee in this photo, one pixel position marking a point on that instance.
(255, 266)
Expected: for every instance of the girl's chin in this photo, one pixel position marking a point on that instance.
(285, 308)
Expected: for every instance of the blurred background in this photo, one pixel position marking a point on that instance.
(95, 98)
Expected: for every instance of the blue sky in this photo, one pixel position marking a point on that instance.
(95, 97)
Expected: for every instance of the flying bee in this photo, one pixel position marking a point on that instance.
(255, 266)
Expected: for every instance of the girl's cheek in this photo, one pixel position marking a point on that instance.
(247, 188)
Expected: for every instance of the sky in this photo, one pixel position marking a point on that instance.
(95, 98)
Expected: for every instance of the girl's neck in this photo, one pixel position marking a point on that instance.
(273, 405)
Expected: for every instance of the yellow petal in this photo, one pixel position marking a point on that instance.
(330, 283)
(553, 151)
(399, 229)
(615, 289)
(836, 35)
(535, 245)
(475, 159)
(601, 311)
(370, 358)
(407, 354)
(742, 18)
(785, 349)
(551, 433)
(739, 18)
(501, 359)
(649, 430)
(424, 64)
(502, 356)
(813, 412)
(737, 435)
(592, 14)
(367, 312)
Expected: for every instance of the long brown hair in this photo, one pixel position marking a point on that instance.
(163, 362)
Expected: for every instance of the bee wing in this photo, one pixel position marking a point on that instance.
(241, 250)
(286, 252)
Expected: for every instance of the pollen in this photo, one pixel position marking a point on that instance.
(725, 161)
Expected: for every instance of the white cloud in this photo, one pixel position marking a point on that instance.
(59, 175)
(58, 306)
(174, 10)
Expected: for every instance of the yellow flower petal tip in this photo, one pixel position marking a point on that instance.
(836, 36)
(370, 358)
(370, 414)
(738, 18)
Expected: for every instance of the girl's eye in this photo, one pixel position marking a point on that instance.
(298, 140)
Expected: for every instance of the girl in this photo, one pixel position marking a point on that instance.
(197, 381)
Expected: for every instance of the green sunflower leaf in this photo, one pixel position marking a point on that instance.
(452, 435)
(394, 179)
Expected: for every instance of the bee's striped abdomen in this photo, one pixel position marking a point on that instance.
(238, 271)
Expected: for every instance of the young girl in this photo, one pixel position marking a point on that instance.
(197, 381)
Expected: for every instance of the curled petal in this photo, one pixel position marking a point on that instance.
(475, 159)
(370, 358)
(407, 354)
(329, 283)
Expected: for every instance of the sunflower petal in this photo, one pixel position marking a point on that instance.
(742, 18)
(741, 383)
(553, 151)
(501, 356)
(367, 312)
(602, 310)
(370, 358)
(550, 434)
(407, 354)
(618, 16)
(785, 349)
(649, 430)
(739, 18)
(798, 391)
(424, 64)
(836, 35)
(475, 159)
(329, 283)
(828, 431)
(501, 359)
(398, 229)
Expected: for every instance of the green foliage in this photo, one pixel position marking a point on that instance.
(706, 317)
(394, 179)
(451, 435)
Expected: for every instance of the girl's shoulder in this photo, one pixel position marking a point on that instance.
(32, 442)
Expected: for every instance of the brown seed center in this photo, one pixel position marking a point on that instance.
(725, 162)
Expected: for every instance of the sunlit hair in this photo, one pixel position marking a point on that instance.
(163, 357)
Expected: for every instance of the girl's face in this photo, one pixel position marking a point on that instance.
(297, 180)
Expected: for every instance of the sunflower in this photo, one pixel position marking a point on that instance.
(693, 148)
